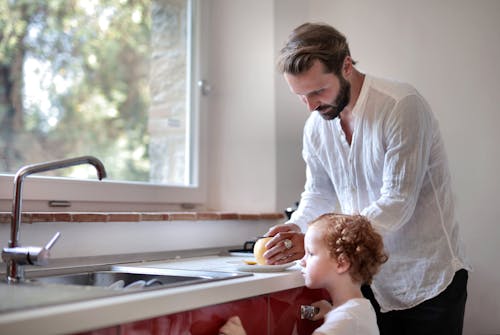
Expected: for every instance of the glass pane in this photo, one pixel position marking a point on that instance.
(106, 78)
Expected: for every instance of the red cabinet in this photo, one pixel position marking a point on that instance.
(284, 311)
(272, 314)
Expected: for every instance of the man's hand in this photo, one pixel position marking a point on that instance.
(279, 250)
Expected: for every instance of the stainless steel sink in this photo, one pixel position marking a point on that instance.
(126, 278)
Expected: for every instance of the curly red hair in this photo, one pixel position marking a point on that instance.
(352, 238)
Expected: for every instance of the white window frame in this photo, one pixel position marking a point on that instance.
(108, 196)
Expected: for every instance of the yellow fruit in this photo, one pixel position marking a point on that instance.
(259, 249)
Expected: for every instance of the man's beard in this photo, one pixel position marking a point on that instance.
(330, 112)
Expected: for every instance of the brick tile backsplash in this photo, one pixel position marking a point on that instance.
(32, 217)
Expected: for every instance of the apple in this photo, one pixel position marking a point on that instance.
(259, 249)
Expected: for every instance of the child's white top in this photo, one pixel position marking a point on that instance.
(356, 316)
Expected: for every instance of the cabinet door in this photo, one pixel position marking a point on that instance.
(273, 314)
(284, 311)
(206, 320)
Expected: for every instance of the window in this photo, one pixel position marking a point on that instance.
(108, 78)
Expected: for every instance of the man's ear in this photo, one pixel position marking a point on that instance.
(347, 67)
(343, 264)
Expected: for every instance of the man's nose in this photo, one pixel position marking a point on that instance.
(311, 103)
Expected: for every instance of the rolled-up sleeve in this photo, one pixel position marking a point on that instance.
(409, 137)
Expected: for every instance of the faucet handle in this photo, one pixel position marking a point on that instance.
(52, 241)
(26, 256)
(40, 256)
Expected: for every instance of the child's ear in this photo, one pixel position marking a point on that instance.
(343, 264)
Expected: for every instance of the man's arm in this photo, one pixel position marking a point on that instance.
(409, 134)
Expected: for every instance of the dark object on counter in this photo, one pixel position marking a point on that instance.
(290, 210)
(247, 248)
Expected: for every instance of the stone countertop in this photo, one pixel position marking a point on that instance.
(51, 309)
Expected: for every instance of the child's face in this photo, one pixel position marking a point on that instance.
(318, 266)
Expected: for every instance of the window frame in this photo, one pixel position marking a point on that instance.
(110, 195)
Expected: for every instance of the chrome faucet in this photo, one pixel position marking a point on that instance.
(16, 256)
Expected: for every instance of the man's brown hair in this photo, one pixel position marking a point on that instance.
(313, 41)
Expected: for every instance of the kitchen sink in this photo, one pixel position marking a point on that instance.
(128, 277)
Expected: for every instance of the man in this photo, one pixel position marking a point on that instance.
(373, 147)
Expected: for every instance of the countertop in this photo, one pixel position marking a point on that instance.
(28, 309)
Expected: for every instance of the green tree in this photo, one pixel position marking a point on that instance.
(88, 63)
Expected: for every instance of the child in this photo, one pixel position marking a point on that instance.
(342, 252)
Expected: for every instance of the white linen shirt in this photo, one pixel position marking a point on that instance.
(395, 172)
(354, 317)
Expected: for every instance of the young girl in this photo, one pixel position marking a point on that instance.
(342, 252)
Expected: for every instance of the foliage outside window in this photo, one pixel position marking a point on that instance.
(107, 78)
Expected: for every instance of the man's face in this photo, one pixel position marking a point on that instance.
(323, 92)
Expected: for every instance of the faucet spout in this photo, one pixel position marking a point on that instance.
(12, 266)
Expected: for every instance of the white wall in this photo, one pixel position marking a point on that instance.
(448, 49)
(96, 239)
(241, 133)
(290, 112)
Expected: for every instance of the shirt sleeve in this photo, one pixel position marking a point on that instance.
(408, 133)
(319, 196)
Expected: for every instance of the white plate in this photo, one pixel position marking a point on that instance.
(241, 254)
(242, 266)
